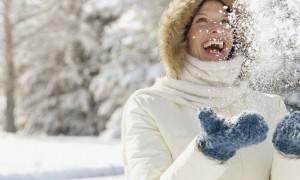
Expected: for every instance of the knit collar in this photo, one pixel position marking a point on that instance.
(203, 83)
(211, 73)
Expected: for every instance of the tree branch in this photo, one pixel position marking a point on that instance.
(21, 40)
(34, 14)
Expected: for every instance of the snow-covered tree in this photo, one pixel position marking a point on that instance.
(78, 61)
(9, 84)
(16, 15)
(132, 60)
(54, 97)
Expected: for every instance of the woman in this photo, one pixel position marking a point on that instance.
(166, 136)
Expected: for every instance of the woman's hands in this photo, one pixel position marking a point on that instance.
(286, 137)
(220, 138)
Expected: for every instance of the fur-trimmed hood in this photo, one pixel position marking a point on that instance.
(171, 34)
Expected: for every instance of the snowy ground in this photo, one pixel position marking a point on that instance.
(77, 158)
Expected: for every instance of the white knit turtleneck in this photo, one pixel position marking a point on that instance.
(211, 73)
(203, 83)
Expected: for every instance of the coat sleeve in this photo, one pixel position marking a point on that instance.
(146, 155)
(284, 167)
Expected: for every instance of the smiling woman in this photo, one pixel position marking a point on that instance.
(176, 130)
(210, 36)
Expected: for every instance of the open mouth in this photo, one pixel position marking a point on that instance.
(214, 46)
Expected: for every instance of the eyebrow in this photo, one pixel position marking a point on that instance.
(225, 15)
(201, 14)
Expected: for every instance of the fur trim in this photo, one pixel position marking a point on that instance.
(171, 34)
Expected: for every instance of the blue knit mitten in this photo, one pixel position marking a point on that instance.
(286, 137)
(220, 138)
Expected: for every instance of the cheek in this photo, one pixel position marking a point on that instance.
(196, 33)
(229, 37)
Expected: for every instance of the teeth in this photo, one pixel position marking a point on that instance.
(219, 44)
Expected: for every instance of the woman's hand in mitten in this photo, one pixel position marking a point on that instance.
(220, 138)
(286, 137)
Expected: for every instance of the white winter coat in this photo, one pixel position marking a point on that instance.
(160, 123)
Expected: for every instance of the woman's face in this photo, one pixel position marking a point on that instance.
(210, 37)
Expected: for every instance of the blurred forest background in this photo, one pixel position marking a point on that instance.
(68, 66)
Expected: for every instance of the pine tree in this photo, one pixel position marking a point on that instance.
(15, 16)
(55, 98)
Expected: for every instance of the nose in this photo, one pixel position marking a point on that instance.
(216, 28)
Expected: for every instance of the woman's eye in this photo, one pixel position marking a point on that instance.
(226, 24)
(225, 21)
(201, 20)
